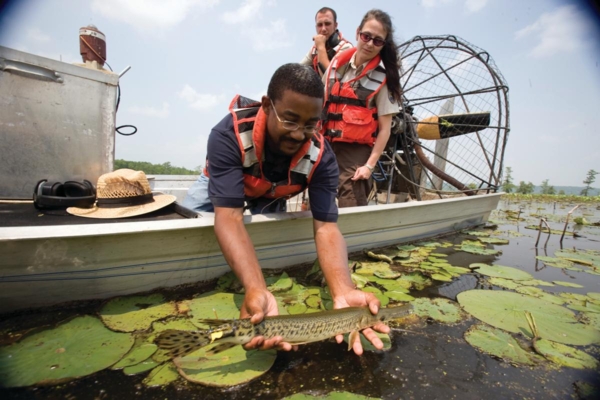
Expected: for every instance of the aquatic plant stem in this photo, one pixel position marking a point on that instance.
(566, 223)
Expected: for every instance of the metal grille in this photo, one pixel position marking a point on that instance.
(445, 75)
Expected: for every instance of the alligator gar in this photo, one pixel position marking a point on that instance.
(295, 329)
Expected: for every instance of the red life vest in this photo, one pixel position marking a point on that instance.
(351, 114)
(249, 122)
(331, 52)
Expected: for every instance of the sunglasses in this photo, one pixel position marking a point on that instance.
(365, 37)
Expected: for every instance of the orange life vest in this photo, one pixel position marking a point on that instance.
(331, 52)
(350, 111)
(249, 122)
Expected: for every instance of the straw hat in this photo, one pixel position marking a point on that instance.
(123, 193)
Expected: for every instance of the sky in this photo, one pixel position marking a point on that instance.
(189, 58)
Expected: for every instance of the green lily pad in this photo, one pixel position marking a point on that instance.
(499, 343)
(282, 284)
(369, 268)
(139, 368)
(396, 286)
(535, 282)
(399, 296)
(441, 277)
(330, 396)
(499, 271)
(298, 308)
(592, 319)
(135, 313)
(313, 301)
(567, 284)
(505, 283)
(594, 295)
(232, 367)
(565, 355)
(494, 241)
(359, 280)
(136, 355)
(442, 310)
(588, 258)
(540, 294)
(476, 249)
(555, 262)
(161, 376)
(506, 310)
(213, 305)
(387, 274)
(73, 349)
(478, 233)
(402, 254)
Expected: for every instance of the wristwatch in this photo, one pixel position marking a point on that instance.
(370, 168)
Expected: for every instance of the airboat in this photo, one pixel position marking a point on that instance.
(440, 174)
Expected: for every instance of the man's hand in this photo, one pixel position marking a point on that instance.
(320, 41)
(357, 298)
(259, 303)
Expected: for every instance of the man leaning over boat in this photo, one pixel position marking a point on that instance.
(258, 156)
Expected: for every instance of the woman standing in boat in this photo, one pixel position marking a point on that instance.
(362, 94)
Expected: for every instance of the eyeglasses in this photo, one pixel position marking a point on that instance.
(292, 126)
(365, 37)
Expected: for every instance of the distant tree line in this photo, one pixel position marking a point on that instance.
(155, 169)
(509, 186)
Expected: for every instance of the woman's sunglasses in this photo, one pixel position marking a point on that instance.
(365, 37)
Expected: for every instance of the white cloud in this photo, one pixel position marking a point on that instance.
(268, 37)
(151, 111)
(37, 35)
(148, 15)
(563, 30)
(248, 11)
(200, 101)
(433, 3)
(474, 6)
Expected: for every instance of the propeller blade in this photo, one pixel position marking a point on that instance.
(446, 126)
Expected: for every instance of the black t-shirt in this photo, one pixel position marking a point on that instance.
(226, 185)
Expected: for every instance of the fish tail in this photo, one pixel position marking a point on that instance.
(181, 343)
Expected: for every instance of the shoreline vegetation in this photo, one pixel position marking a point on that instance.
(561, 198)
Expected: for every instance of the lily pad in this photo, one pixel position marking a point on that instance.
(499, 343)
(161, 375)
(505, 283)
(139, 368)
(442, 310)
(565, 355)
(506, 310)
(135, 313)
(567, 284)
(535, 282)
(399, 296)
(330, 396)
(540, 294)
(282, 284)
(214, 305)
(230, 368)
(298, 308)
(494, 241)
(137, 354)
(555, 262)
(499, 271)
(477, 249)
(73, 349)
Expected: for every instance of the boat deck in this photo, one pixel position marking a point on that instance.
(25, 214)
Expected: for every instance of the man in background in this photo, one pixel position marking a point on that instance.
(327, 42)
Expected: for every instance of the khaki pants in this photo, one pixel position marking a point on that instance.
(349, 158)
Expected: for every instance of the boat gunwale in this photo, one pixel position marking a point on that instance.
(204, 220)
